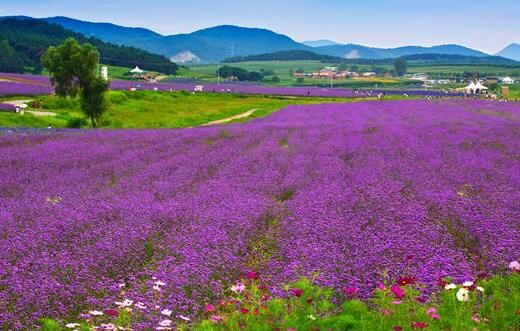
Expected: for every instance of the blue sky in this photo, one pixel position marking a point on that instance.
(485, 25)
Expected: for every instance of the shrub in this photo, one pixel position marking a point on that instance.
(76, 122)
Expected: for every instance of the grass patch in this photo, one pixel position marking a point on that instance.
(154, 109)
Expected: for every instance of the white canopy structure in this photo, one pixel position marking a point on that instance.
(507, 80)
(480, 87)
(475, 88)
(470, 88)
(136, 70)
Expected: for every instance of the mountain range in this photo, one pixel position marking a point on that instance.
(218, 43)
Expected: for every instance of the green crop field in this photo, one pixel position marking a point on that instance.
(281, 69)
(150, 109)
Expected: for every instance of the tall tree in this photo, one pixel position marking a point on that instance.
(72, 67)
(400, 67)
(9, 59)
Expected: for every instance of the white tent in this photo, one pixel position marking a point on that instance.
(136, 70)
(507, 80)
(470, 88)
(479, 87)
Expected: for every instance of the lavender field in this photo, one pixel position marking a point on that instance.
(15, 84)
(348, 193)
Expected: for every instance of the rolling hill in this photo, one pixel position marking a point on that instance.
(511, 52)
(352, 51)
(414, 59)
(29, 39)
(108, 32)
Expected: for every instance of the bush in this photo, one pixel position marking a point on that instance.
(76, 122)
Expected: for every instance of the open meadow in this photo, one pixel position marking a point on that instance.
(155, 109)
(165, 221)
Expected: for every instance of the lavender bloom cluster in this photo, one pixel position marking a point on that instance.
(350, 193)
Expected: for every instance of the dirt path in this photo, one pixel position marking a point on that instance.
(16, 102)
(231, 118)
(41, 113)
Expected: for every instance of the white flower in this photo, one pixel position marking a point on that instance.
(514, 266)
(108, 326)
(166, 312)
(182, 317)
(479, 288)
(165, 323)
(157, 288)
(467, 284)
(159, 283)
(140, 305)
(95, 312)
(311, 317)
(238, 287)
(463, 295)
(121, 285)
(450, 286)
(72, 325)
(125, 303)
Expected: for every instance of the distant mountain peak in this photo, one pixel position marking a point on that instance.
(512, 52)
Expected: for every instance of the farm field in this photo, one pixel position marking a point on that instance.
(281, 69)
(348, 195)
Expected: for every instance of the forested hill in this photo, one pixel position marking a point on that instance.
(24, 40)
(295, 55)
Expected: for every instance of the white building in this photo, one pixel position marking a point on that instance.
(507, 80)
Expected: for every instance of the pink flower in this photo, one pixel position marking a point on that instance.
(421, 299)
(397, 291)
(432, 312)
(297, 292)
(252, 275)
(238, 287)
(381, 286)
(419, 325)
(111, 312)
(215, 318)
(397, 328)
(514, 266)
(397, 302)
(209, 308)
(407, 280)
(244, 310)
(351, 291)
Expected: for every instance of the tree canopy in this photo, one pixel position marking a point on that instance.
(239, 73)
(73, 69)
(9, 61)
(400, 67)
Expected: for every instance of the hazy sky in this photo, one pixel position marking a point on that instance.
(485, 25)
